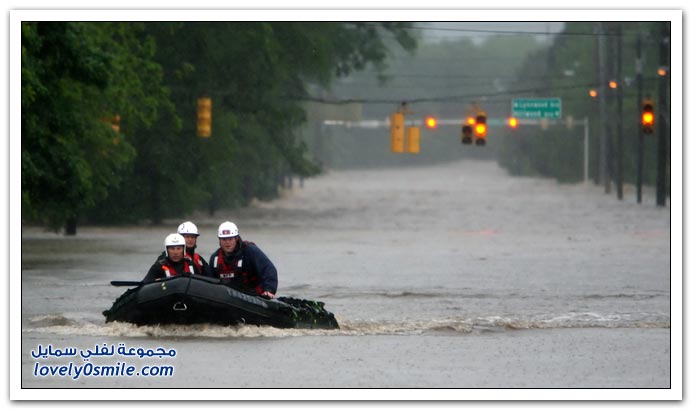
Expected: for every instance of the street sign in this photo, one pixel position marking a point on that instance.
(550, 108)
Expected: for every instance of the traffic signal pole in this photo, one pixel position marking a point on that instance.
(586, 150)
(603, 173)
(640, 136)
(467, 131)
(620, 137)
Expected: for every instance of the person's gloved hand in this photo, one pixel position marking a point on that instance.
(267, 294)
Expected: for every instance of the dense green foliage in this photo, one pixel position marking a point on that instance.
(76, 76)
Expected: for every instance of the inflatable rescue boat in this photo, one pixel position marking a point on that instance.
(199, 299)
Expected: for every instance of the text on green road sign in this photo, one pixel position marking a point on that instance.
(537, 108)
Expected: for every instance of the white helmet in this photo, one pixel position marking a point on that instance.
(188, 228)
(174, 239)
(228, 230)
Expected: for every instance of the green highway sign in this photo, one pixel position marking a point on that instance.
(550, 108)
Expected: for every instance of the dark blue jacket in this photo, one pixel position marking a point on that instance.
(246, 268)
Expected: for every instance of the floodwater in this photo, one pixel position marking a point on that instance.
(448, 276)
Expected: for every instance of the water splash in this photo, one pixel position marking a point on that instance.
(63, 325)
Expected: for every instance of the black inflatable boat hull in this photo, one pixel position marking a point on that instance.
(197, 299)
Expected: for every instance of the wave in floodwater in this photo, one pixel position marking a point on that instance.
(59, 324)
(480, 295)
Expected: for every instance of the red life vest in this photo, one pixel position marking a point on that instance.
(170, 271)
(234, 271)
(197, 262)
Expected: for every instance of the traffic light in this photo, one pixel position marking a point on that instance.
(466, 134)
(513, 122)
(648, 116)
(204, 117)
(413, 140)
(396, 124)
(431, 122)
(115, 123)
(481, 129)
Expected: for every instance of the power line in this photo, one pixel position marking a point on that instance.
(471, 30)
(516, 32)
(390, 78)
(450, 98)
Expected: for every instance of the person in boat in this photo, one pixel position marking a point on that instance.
(174, 263)
(242, 265)
(189, 231)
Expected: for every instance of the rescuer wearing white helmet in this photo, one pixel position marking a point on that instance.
(241, 264)
(188, 228)
(174, 263)
(228, 230)
(189, 231)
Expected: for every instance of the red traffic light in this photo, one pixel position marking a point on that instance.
(431, 122)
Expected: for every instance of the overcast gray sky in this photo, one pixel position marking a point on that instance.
(479, 30)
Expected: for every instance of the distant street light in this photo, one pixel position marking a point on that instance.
(431, 122)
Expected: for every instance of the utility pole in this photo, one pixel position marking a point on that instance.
(661, 178)
(599, 97)
(610, 72)
(586, 150)
(602, 169)
(620, 142)
(640, 136)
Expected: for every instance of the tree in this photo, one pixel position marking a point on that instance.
(255, 73)
(77, 78)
